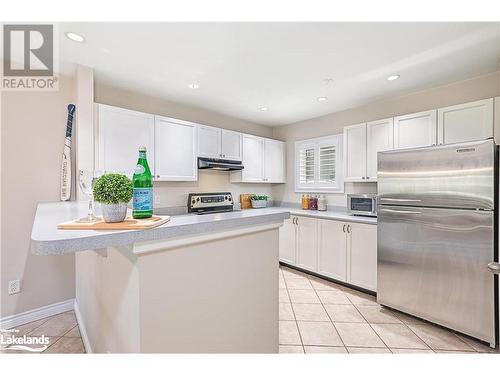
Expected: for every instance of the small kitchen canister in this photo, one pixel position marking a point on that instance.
(313, 203)
(304, 203)
(322, 203)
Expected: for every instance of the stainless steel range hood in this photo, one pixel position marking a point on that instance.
(219, 164)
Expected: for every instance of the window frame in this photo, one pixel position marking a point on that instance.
(317, 187)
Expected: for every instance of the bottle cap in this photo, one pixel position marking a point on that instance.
(142, 148)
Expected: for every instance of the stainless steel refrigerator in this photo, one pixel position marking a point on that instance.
(436, 235)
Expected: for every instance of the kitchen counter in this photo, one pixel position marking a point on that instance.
(46, 239)
(335, 214)
(150, 285)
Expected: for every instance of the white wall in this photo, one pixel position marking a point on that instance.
(33, 130)
(482, 87)
(175, 193)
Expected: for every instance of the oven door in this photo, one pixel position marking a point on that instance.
(362, 205)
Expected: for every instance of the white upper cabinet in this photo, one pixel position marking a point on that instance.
(176, 149)
(380, 137)
(355, 152)
(263, 161)
(274, 161)
(231, 145)
(465, 122)
(218, 143)
(253, 159)
(209, 142)
(120, 133)
(415, 130)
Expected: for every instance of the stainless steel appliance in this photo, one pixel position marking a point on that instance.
(362, 204)
(209, 203)
(436, 229)
(219, 164)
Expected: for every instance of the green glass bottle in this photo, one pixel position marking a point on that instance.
(143, 188)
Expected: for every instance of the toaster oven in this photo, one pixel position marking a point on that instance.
(362, 204)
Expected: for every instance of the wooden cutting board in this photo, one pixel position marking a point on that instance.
(245, 201)
(128, 224)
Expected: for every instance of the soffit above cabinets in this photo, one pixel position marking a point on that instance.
(241, 68)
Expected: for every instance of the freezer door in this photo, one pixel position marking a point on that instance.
(433, 263)
(460, 176)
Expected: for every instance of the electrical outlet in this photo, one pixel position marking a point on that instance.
(157, 199)
(14, 286)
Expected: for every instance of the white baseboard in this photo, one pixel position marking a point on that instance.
(83, 330)
(42, 312)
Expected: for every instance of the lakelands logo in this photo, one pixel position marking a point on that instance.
(9, 341)
(29, 57)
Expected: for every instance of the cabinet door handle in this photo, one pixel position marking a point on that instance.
(363, 178)
(367, 178)
(348, 229)
(297, 221)
(343, 228)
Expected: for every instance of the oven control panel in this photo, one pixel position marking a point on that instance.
(201, 202)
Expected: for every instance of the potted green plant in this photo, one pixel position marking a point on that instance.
(113, 191)
(259, 201)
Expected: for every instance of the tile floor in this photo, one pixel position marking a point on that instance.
(62, 331)
(317, 316)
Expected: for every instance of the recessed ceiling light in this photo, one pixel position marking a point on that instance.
(322, 99)
(194, 86)
(393, 77)
(264, 109)
(75, 37)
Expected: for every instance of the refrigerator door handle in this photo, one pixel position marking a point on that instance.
(398, 211)
(400, 200)
(494, 267)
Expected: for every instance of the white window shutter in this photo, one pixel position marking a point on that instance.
(318, 165)
(306, 165)
(327, 164)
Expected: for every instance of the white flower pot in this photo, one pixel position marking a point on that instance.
(259, 204)
(114, 213)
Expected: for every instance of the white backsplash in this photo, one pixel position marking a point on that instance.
(286, 193)
(174, 194)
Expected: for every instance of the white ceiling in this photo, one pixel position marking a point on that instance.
(241, 67)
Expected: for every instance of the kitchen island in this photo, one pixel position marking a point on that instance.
(197, 284)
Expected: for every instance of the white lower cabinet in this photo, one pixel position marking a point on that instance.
(343, 251)
(287, 245)
(332, 249)
(307, 243)
(362, 255)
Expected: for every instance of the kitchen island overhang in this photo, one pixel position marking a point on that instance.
(198, 284)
